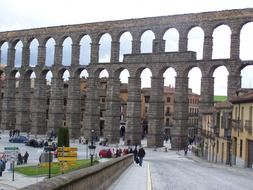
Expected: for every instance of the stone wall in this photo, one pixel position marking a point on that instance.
(98, 177)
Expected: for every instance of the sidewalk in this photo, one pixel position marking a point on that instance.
(7, 183)
(135, 178)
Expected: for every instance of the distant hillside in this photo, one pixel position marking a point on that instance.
(220, 98)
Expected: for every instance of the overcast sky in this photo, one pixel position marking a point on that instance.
(22, 14)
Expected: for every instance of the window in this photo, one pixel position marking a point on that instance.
(147, 98)
(167, 110)
(168, 121)
(168, 99)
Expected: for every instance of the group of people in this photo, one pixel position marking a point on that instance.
(22, 159)
(14, 132)
(139, 155)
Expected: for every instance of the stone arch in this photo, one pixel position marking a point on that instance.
(171, 37)
(105, 48)
(145, 76)
(34, 43)
(85, 49)
(147, 37)
(169, 74)
(221, 42)
(4, 52)
(50, 51)
(246, 40)
(220, 88)
(194, 79)
(18, 44)
(246, 76)
(125, 44)
(196, 41)
(66, 51)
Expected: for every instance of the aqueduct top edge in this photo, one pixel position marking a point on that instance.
(198, 18)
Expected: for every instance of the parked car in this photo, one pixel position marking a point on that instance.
(34, 143)
(18, 139)
(105, 153)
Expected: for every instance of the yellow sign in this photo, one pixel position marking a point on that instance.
(67, 149)
(67, 154)
(67, 159)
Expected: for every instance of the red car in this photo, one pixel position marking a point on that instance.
(105, 153)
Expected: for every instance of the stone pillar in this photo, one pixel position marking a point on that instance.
(73, 115)
(23, 122)
(91, 118)
(156, 113)
(11, 57)
(94, 52)
(115, 51)
(25, 55)
(136, 46)
(75, 54)
(179, 132)
(183, 40)
(207, 93)
(133, 129)
(41, 55)
(112, 113)
(235, 46)
(234, 83)
(208, 47)
(206, 100)
(55, 114)
(8, 103)
(58, 55)
(39, 107)
(158, 45)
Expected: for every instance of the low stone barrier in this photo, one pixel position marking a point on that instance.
(97, 177)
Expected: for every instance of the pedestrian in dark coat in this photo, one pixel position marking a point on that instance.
(141, 154)
(26, 157)
(136, 155)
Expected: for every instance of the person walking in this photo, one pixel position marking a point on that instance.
(136, 155)
(141, 154)
(26, 157)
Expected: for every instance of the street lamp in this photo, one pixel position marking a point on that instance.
(50, 158)
(92, 148)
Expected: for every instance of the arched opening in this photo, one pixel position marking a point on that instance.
(124, 76)
(194, 81)
(65, 76)
(246, 41)
(85, 50)
(125, 44)
(196, 41)
(66, 51)
(194, 86)
(4, 53)
(17, 77)
(105, 48)
(147, 41)
(33, 53)
(49, 77)
(221, 42)
(220, 81)
(146, 78)
(169, 94)
(32, 77)
(171, 38)
(247, 77)
(18, 54)
(50, 47)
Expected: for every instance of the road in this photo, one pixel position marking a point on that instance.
(173, 171)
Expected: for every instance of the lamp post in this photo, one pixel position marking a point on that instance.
(92, 148)
(49, 149)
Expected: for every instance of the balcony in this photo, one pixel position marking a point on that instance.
(248, 126)
(236, 125)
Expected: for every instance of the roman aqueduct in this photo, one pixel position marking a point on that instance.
(25, 111)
